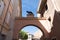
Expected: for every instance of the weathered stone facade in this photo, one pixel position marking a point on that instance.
(7, 16)
(48, 19)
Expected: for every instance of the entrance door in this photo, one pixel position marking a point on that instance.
(2, 37)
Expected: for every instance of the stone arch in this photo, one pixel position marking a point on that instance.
(31, 25)
(22, 22)
(34, 26)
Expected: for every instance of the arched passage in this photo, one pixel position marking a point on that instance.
(32, 25)
(22, 22)
(32, 31)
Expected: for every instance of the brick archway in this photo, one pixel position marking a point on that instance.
(22, 22)
(32, 25)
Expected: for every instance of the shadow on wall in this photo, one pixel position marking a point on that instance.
(55, 31)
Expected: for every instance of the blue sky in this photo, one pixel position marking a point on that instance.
(29, 5)
(30, 29)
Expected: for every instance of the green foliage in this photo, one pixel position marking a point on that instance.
(23, 35)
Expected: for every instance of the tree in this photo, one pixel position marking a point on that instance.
(23, 35)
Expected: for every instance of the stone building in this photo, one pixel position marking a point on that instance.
(9, 9)
(48, 14)
(50, 9)
(37, 35)
(30, 36)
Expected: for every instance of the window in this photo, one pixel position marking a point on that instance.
(3, 37)
(46, 7)
(49, 19)
(54, 39)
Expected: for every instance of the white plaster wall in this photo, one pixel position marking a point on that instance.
(52, 6)
(56, 4)
(46, 25)
(38, 34)
(38, 15)
(50, 12)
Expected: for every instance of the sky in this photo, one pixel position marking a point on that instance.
(29, 5)
(30, 29)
